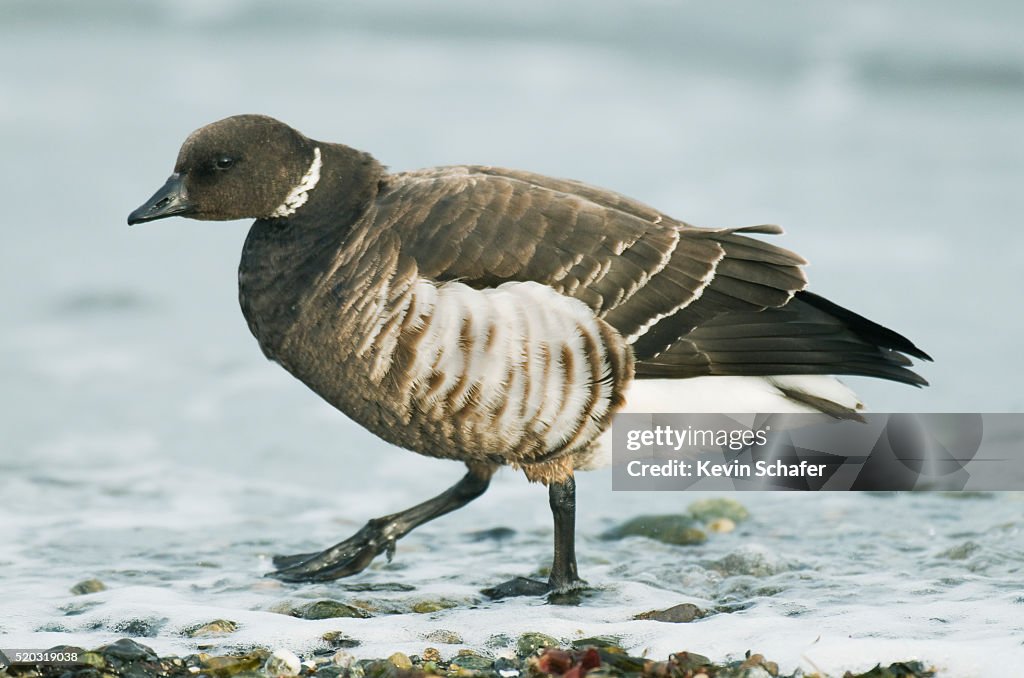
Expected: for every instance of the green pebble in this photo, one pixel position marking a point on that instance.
(498, 640)
(377, 668)
(669, 529)
(329, 609)
(529, 643)
(706, 510)
(603, 642)
(428, 606)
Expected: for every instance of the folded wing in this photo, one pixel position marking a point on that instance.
(691, 301)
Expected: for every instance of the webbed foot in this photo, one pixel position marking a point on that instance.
(341, 560)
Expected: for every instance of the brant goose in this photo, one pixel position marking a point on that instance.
(501, 317)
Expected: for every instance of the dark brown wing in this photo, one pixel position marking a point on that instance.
(691, 301)
(634, 266)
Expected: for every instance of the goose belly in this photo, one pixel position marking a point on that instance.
(514, 374)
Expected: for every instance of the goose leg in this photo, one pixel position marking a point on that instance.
(378, 535)
(564, 576)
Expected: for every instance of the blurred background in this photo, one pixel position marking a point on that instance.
(137, 412)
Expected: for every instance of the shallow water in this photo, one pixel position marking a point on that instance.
(146, 442)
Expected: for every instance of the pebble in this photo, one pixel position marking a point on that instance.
(329, 609)
(428, 606)
(706, 510)
(339, 639)
(529, 643)
(229, 665)
(139, 627)
(343, 659)
(670, 529)
(721, 525)
(678, 614)
(471, 661)
(597, 641)
(88, 586)
(218, 627)
(400, 660)
(757, 662)
(283, 663)
(443, 636)
(127, 649)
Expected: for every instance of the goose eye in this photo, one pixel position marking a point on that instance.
(224, 163)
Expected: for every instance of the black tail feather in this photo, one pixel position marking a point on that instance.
(864, 328)
(808, 335)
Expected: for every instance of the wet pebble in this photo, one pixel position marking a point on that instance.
(467, 660)
(428, 606)
(88, 586)
(706, 510)
(598, 641)
(752, 564)
(339, 639)
(757, 663)
(343, 659)
(364, 587)
(528, 643)
(230, 665)
(443, 636)
(128, 650)
(329, 609)
(400, 660)
(378, 668)
(283, 663)
(139, 627)
(721, 525)
(498, 640)
(216, 628)
(670, 529)
(677, 614)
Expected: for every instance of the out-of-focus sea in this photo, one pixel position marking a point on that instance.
(145, 441)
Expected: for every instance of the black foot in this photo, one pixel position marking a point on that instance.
(520, 586)
(284, 562)
(341, 560)
(379, 535)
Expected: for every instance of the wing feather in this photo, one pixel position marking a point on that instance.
(691, 301)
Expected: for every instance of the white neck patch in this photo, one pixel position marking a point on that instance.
(298, 196)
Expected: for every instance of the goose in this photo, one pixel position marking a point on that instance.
(501, 318)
